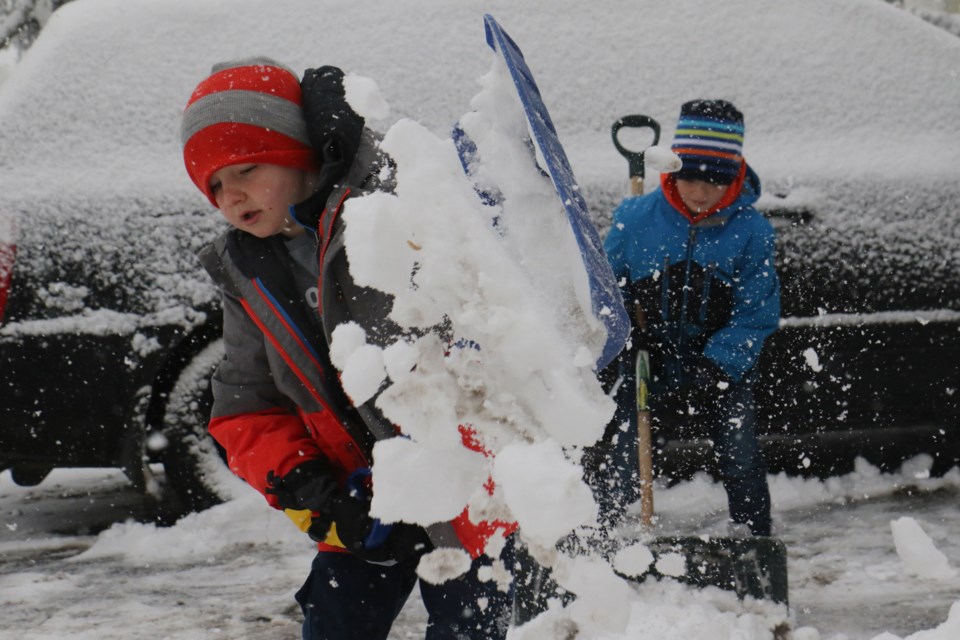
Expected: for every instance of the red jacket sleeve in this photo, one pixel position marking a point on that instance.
(257, 443)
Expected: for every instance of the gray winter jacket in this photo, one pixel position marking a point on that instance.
(277, 398)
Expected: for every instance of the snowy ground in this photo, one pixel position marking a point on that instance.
(74, 562)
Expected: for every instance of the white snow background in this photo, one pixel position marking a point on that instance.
(526, 389)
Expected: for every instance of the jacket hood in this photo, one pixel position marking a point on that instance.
(338, 173)
(749, 194)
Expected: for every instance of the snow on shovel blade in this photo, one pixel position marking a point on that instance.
(754, 567)
(750, 567)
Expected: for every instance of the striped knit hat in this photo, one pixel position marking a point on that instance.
(709, 141)
(246, 111)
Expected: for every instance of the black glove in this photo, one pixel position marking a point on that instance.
(331, 121)
(311, 485)
(709, 380)
(334, 130)
(363, 535)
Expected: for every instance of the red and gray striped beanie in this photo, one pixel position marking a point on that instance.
(246, 111)
(709, 141)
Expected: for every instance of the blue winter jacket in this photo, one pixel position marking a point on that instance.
(707, 289)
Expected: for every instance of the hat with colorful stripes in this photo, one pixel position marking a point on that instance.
(709, 141)
(246, 111)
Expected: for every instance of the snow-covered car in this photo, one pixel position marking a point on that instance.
(110, 328)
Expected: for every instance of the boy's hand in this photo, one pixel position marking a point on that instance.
(309, 485)
(355, 526)
(710, 377)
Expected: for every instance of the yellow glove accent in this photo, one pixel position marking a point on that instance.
(333, 538)
(303, 518)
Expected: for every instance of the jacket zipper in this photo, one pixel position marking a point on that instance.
(707, 282)
(685, 297)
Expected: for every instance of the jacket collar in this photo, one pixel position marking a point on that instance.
(741, 193)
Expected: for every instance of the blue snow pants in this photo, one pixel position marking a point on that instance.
(729, 419)
(346, 598)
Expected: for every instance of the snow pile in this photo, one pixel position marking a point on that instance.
(918, 552)
(664, 610)
(949, 630)
(199, 537)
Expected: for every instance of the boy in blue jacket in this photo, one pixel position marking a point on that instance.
(695, 261)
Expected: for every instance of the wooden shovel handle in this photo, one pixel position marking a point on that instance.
(644, 436)
(644, 440)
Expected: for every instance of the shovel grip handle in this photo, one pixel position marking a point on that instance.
(634, 158)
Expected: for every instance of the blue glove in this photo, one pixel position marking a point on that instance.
(358, 487)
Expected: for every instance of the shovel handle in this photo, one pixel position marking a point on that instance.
(644, 440)
(635, 159)
(644, 435)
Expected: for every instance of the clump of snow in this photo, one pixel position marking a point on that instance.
(544, 490)
(363, 372)
(672, 564)
(509, 371)
(406, 472)
(364, 96)
(812, 359)
(633, 560)
(603, 598)
(662, 159)
(443, 564)
(918, 552)
(346, 338)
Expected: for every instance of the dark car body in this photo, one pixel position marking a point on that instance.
(101, 319)
(866, 362)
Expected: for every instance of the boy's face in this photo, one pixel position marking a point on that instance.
(256, 197)
(699, 195)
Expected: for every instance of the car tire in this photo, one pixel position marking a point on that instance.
(196, 473)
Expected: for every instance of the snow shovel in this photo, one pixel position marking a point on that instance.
(755, 566)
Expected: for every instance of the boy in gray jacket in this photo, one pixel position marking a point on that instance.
(278, 157)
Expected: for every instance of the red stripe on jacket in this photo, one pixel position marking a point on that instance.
(277, 440)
